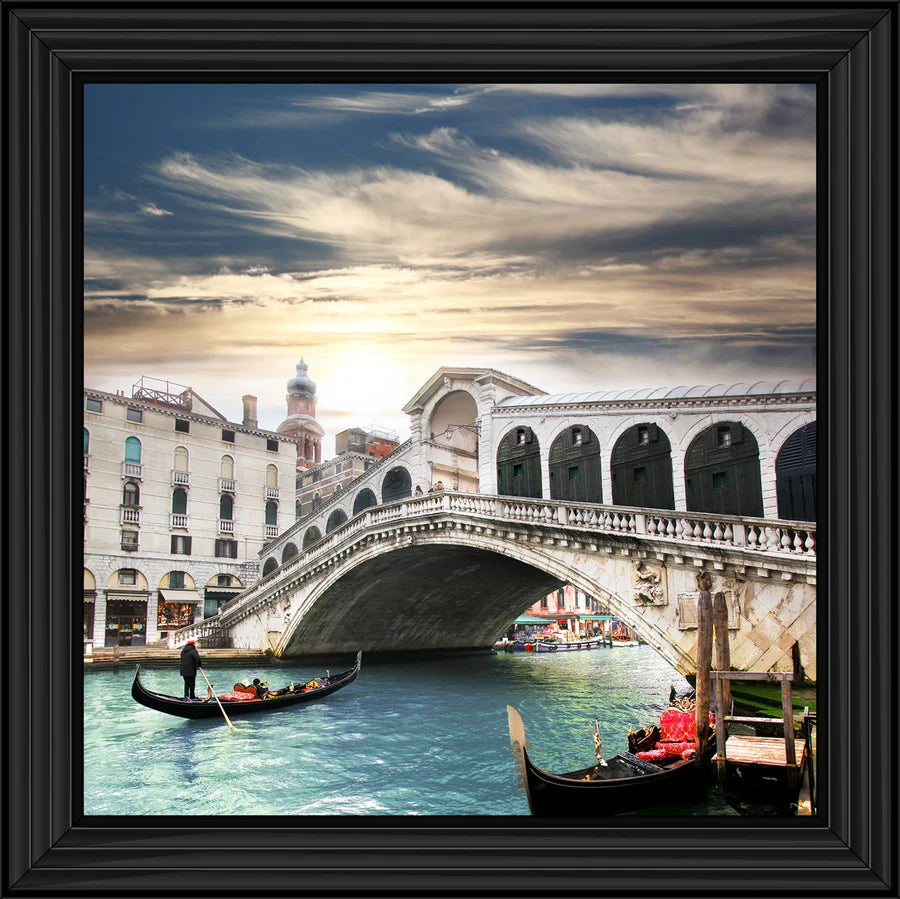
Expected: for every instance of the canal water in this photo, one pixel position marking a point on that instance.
(424, 737)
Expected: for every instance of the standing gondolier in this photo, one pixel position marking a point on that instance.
(190, 662)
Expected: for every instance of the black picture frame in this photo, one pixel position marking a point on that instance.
(849, 50)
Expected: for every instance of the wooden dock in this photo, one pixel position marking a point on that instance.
(768, 752)
(112, 657)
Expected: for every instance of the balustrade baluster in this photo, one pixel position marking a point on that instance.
(810, 543)
(718, 533)
(728, 534)
(798, 543)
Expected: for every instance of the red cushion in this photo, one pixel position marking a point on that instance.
(689, 753)
(677, 726)
(652, 755)
(238, 696)
(675, 749)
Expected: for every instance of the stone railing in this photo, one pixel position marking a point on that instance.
(770, 538)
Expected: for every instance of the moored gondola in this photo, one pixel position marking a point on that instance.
(232, 702)
(573, 646)
(643, 776)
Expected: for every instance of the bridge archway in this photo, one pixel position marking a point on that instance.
(795, 475)
(270, 565)
(722, 473)
(313, 535)
(575, 466)
(290, 550)
(397, 484)
(364, 499)
(519, 464)
(335, 520)
(641, 468)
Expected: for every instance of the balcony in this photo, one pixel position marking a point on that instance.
(271, 531)
(271, 493)
(181, 478)
(130, 515)
(87, 462)
(179, 521)
(133, 470)
(226, 526)
(226, 485)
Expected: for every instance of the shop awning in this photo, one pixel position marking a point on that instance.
(596, 617)
(530, 619)
(234, 590)
(126, 597)
(182, 596)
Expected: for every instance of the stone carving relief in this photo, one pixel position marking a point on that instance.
(687, 610)
(649, 584)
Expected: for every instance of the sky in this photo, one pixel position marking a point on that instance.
(578, 237)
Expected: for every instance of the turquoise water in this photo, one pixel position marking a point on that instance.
(427, 737)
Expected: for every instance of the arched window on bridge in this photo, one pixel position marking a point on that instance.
(575, 467)
(335, 520)
(641, 468)
(364, 499)
(795, 475)
(288, 553)
(397, 484)
(269, 567)
(519, 464)
(721, 471)
(313, 535)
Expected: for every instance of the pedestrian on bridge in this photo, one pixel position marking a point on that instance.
(190, 662)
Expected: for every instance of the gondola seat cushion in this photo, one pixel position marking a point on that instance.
(238, 696)
(652, 755)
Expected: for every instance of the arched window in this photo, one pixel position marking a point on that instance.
(270, 566)
(397, 484)
(226, 507)
(317, 503)
(519, 464)
(641, 468)
(131, 494)
(227, 468)
(288, 552)
(180, 461)
(297, 509)
(575, 470)
(795, 475)
(271, 476)
(179, 502)
(335, 520)
(313, 535)
(87, 440)
(132, 449)
(337, 488)
(271, 513)
(307, 449)
(364, 499)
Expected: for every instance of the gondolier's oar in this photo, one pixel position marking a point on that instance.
(222, 710)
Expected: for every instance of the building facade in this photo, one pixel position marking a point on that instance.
(178, 503)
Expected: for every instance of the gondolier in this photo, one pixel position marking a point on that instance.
(190, 662)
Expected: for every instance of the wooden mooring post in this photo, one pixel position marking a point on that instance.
(704, 660)
(722, 686)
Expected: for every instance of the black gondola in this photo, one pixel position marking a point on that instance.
(623, 783)
(319, 688)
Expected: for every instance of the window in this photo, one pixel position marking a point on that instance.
(720, 480)
(643, 435)
(127, 577)
(337, 467)
(223, 580)
(271, 513)
(724, 436)
(337, 488)
(272, 445)
(316, 476)
(93, 405)
(131, 494)
(179, 502)
(640, 475)
(520, 436)
(517, 471)
(316, 503)
(228, 436)
(181, 545)
(226, 470)
(226, 549)
(129, 541)
(176, 580)
(87, 440)
(182, 425)
(573, 473)
(132, 449)
(271, 476)
(226, 507)
(577, 437)
(134, 415)
(181, 459)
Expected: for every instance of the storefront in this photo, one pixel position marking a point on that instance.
(216, 597)
(177, 608)
(89, 597)
(126, 620)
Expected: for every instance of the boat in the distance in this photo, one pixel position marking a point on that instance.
(620, 643)
(240, 701)
(661, 765)
(571, 646)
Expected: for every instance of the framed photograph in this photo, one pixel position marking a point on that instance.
(846, 58)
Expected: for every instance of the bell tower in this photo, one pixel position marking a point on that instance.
(301, 419)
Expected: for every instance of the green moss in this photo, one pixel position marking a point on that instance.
(763, 700)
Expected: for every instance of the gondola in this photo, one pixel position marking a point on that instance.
(318, 688)
(623, 783)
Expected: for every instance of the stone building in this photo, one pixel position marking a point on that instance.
(301, 423)
(178, 502)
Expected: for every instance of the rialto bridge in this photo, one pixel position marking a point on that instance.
(498, 498)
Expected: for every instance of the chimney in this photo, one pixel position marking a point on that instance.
(250, 412)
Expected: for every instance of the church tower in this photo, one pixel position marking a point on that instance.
(301, 421)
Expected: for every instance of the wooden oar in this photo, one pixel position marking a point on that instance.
(218, 702)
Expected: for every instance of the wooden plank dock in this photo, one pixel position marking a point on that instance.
(764, 751)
